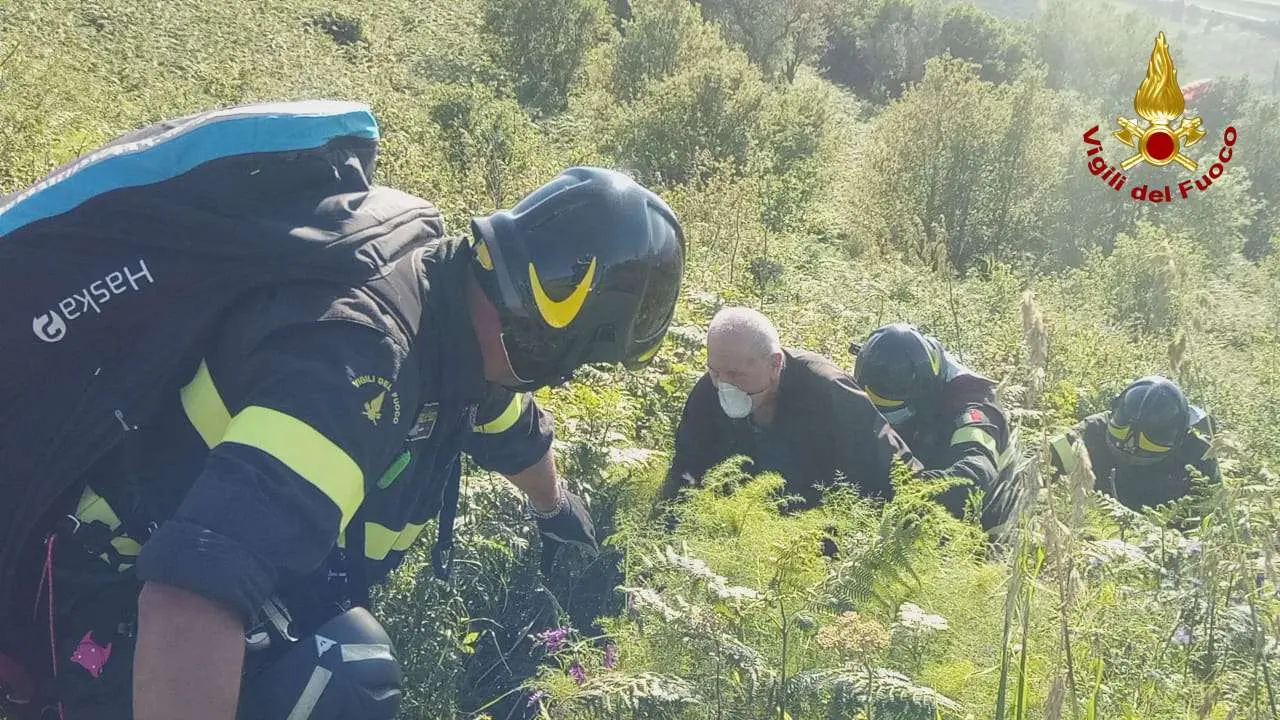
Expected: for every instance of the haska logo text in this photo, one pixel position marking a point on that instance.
(1160, 141)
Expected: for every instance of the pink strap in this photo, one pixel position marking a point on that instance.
(47, 577)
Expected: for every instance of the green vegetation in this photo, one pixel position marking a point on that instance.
(838, 165)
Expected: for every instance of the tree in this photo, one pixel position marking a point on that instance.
(968, 168)
(778, 35)
(662, 37)
(790, 154)
(1233, 102)
(880, 46)
(1150, 277)
(541, 44)
(1090, 47)
(975, 35)
(681, 126)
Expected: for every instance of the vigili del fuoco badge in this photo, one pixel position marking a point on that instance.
(1160, 102)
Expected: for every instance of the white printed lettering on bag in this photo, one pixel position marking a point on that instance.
(51, 326)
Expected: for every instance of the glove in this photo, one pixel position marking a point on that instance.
(569, 523)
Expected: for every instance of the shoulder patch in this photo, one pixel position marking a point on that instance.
(373, 408)
(972, 416)
(425, 423)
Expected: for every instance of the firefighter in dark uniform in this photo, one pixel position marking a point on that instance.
(946, 413)
(1141, 447)
(313, 437)
(791, 411)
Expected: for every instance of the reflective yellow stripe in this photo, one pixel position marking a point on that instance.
(974, 434)
(1066, 454)
(204, 407)
(1005, 459)
(92, 507)
(305, 451)
(380, 540)
(126, 546)
(506, 419)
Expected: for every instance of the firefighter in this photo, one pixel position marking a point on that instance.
(1141, 447)
(311, 435)
(946, 413)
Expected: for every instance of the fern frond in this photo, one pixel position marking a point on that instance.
(645, 690)
(891, 691)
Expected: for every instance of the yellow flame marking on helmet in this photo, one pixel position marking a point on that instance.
(883, 402)
(1146, 444)
(648, 354)
(560, 313)
(482, 255)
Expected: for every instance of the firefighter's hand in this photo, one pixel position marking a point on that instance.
(570, 524)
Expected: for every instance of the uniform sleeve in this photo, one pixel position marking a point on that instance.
(313, 413)
(511, 432)
(979, 440)
(696, 449)
(1201, 457)
(1062, 453)
(860, 426)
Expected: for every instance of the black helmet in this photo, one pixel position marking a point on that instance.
(898, 366)
(1148, 419)
(585, 269)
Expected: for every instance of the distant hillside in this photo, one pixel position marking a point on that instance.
(1205, 39)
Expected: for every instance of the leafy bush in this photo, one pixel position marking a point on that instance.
(662, 37)
(678, 127)
(973, 35)
(542, 43)
(879, 47)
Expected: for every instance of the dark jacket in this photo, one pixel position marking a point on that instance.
(309, 440)
(824, 425)
(964, 434)
(1137, 485)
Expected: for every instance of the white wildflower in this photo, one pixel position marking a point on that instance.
(913, 617)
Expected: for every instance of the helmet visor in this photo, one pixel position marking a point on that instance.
(537, 355)
(659, 290)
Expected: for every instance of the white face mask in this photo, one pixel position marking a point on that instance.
(735, 402)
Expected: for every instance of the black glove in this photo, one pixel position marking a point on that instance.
(568, 523)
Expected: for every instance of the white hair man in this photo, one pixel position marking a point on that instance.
(791, 411)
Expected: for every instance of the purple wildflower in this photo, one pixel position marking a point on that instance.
(535, 698)
(553, 639)
(610, 656)
(578, 674)
(1182, 636)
